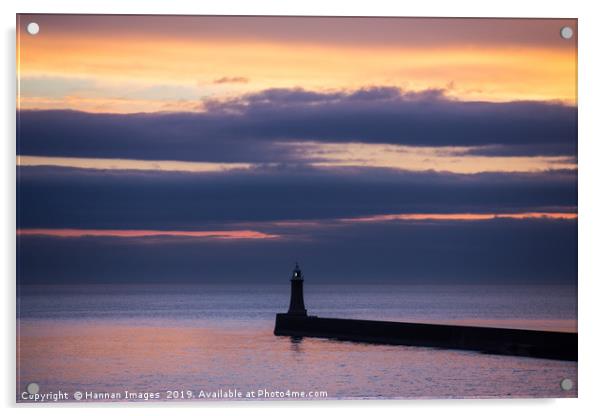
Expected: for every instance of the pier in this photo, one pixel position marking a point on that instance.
(505, 341)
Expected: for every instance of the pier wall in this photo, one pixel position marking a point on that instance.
(530, 343)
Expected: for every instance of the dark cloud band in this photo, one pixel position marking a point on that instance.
(490, 252)
(245, 129)
(84, 198)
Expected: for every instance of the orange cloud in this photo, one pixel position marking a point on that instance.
(465, 217)
(70, 232)
(448, 159)
(130, 164)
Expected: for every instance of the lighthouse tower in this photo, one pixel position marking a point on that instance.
(297, 306)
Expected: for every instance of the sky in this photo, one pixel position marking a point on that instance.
(183, 149)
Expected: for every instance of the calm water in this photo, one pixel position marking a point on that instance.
(207, 340)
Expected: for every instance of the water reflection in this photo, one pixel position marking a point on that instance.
(109, 356)
(296, 346)
(169, 337)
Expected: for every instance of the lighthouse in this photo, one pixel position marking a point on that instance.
(297, 306)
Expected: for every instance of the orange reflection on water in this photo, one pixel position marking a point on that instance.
(118, 356)
(113, 356)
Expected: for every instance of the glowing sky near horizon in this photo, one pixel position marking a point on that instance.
(128, 64)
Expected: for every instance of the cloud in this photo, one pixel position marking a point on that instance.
(567, 149)
(369, 32)
(231, 80)
(54, 197)
(247, 128)
(480, 252)
(75, 233)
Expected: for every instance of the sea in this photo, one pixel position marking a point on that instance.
(186, 343)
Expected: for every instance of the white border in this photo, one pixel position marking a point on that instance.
(590, 158)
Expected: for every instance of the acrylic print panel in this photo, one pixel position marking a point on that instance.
(172, 170)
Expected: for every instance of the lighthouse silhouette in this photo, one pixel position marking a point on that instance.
(297, 306)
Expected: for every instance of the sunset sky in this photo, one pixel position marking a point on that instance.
(222, 149)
